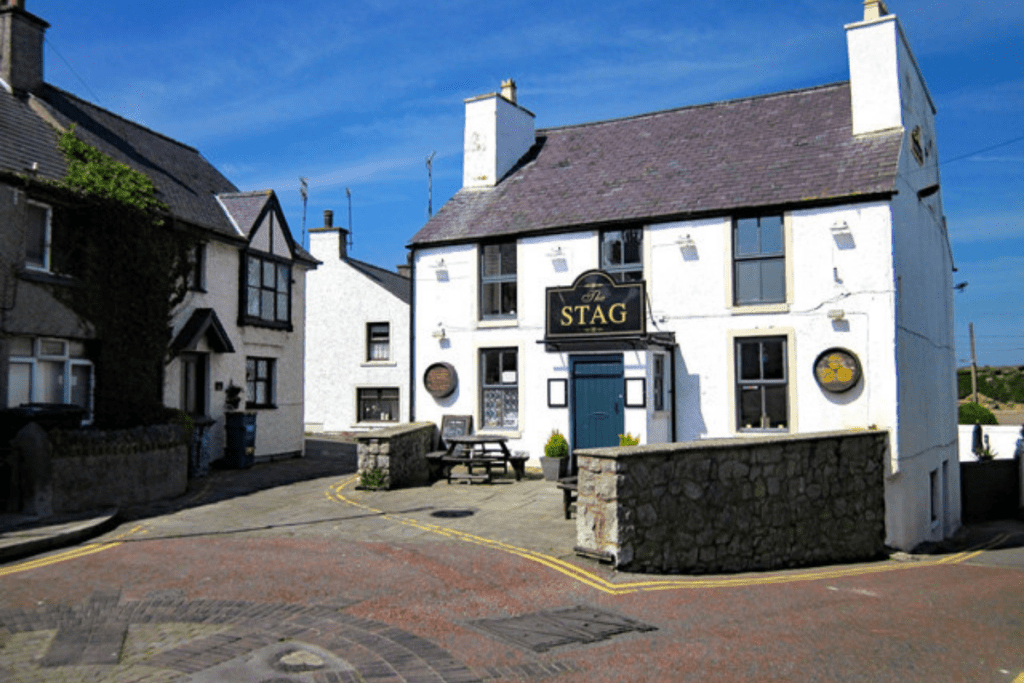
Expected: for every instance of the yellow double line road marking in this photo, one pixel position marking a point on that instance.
(72, 554)
(588, 578)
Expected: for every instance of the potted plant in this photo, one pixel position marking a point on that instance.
(555, 461)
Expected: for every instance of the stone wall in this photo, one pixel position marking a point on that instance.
(396, 456)
(730, 505)
(74, 471)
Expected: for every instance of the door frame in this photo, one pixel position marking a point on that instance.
(588, 358)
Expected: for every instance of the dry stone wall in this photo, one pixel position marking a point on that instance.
(396, 456)
(734, 505)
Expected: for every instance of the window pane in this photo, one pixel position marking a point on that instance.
(771, 235)
(252, 301)
(508, 367)
(611, 250)
(76, 349)
(773, 281)
(508, 258)
(266, 305)
(50, 347)
(19, 384)
(51, 381)
(36, 239)
(775, 406)
(510, 408)
(268, 274)
(750, 360)
(261, 393)
(632, 239)
(282, 307)
(253, 272)
(490, 302)
(81, 385)
(283, 279)
(492, 367)
(491, 260)
(508, 298)
(774, 360)
(746, 242)
(748, 282)
(750, 407)
(20, 346)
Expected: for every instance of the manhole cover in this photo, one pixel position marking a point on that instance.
(542, 631)
(452, 513)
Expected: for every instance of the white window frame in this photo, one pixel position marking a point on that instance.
(35, 388)
(47, 240)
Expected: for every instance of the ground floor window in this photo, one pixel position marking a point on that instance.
(48, 371)
(259, 382)
(761, 384)
(499, 388)
(378, 405)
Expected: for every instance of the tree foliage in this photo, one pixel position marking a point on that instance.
(130, 264)
(974, 413)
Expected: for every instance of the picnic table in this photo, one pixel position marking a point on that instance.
(481, 451)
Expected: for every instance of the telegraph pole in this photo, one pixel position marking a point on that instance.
(974, 364)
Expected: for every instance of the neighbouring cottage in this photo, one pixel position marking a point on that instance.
(242, 321)
(357, 338)
(772, 264)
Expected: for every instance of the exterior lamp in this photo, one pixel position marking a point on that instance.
(687, 247)
(842, 235)
(441, 270)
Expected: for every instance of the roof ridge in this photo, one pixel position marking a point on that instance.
(689, 107)
(375, 267)
(134, 124)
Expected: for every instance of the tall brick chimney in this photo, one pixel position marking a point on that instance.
(21, 46)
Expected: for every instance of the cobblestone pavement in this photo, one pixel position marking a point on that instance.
(287, 573)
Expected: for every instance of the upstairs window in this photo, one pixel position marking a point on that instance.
(266, 292)
(759, 261)
(378, 341)
(197, 268)
(622, 254)
(498, 280)
(37, 237)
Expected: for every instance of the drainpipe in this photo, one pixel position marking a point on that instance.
(672, 388)
(412, 334)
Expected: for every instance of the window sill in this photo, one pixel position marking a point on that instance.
(33, 274)
(755, 309)
(266, 324)
(484, 324)
(379, 364)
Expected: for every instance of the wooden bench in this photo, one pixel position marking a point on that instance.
(569, 486)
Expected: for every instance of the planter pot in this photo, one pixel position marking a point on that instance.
(554, 468)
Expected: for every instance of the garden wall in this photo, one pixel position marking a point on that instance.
(74, 471)
(730, 505)
(396, 456)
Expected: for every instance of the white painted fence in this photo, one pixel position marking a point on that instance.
(1003, 439)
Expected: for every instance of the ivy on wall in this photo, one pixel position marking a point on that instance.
(130, 263)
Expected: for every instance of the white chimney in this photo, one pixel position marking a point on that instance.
(876, 48)
(498, 133)
(21, 46)
(327, 241)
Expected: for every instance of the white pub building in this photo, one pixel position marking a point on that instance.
(775, 264)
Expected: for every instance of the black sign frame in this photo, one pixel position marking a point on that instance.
(595, 306)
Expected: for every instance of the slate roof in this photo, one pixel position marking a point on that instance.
(771, 150)
(398, 285)
(184, 180)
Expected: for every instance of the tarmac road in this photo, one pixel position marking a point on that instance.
(312, 580)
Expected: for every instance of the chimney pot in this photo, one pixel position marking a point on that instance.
(508, 90)
(328, 218)
(874, 9)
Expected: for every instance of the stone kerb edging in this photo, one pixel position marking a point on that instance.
(393, 457)
(734, 504)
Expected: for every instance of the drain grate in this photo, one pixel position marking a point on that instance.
(542, 631)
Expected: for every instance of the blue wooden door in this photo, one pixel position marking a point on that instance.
(597, 405)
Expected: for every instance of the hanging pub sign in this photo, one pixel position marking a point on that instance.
(837, 370)
(440, 380)
(595, 306)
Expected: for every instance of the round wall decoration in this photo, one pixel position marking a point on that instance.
(837, 370)
(440, 380)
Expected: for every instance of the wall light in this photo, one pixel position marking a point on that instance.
(439, 333)
(687, 247)
(842, 234)
(441, 270)
(837, 314)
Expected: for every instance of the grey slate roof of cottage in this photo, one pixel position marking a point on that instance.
(184, 180)
(398, 285)
(771, 150)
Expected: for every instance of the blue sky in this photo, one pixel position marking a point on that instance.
(357, 95)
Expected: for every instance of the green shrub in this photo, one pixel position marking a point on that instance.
(628, 439)
(557, 446)
(974, 413)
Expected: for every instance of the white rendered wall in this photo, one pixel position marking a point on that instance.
(1003, 440)
(341, 301)
(278, 430)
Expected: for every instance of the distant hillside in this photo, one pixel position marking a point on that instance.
(1000, 384)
